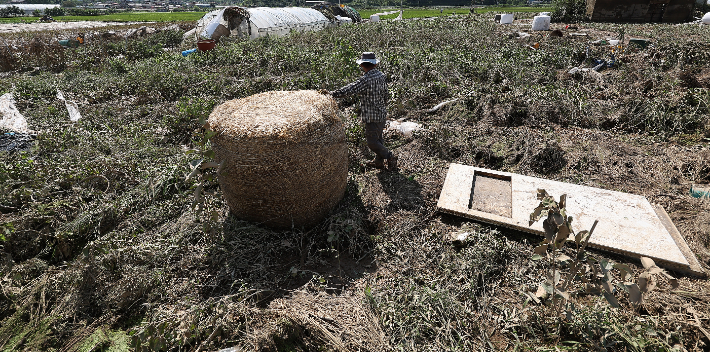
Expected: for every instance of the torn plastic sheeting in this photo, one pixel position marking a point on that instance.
(11, 117)
(73, 109)
(213, 23)
(405, 128)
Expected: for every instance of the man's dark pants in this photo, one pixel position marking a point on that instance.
(373, 135)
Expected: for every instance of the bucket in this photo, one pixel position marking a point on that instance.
(541, 23)
(506, 18)
(706, 18)
(206, 44)
(374, 18)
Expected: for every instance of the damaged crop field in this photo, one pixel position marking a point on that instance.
(103, 249)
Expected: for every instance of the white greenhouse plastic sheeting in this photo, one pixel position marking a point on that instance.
(280, 21)
(263, 21)
(10, 117)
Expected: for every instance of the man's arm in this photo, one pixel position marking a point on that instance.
(351, 89)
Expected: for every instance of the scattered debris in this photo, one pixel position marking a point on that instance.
(506, 18)
(343, 20)
(189, 51)
(541, 23)
(11, 117)
(331, 11)
(12, 141)
(140, 32)
(72, 108)
(405, 128)
(72, 43)
(441, 105)
(700, 191)
(651, 233)
(458, 238)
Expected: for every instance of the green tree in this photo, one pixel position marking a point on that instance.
(54, 12)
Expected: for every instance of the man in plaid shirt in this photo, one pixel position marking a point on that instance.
(372, 89)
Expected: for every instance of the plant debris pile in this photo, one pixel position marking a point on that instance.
(103, 248)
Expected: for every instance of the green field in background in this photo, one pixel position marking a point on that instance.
(415, 13)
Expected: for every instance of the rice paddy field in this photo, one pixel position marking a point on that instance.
(104, 248)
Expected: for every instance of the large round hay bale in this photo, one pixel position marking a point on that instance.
(285, 157)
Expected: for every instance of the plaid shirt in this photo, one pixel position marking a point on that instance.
(372, 88)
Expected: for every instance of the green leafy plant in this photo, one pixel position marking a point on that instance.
(206, 171)
(594, 275)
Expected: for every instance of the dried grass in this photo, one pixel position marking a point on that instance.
(341, 323)
(284, 156)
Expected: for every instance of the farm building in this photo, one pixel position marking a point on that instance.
(640, 10)
(259, 22)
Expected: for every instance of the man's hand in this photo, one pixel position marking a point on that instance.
(323, 91)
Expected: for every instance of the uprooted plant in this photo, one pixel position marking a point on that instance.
(595, 276)
(206, 171)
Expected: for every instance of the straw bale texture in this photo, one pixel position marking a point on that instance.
(285, 156)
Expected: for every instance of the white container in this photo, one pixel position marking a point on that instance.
(541, 23)
(613, 42)
(706, 18)
(375, 18)
(506, 18)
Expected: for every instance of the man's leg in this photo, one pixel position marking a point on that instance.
(373, 136)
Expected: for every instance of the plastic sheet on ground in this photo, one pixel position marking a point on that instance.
(405, 128)
(11, 118)
(73, 109)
